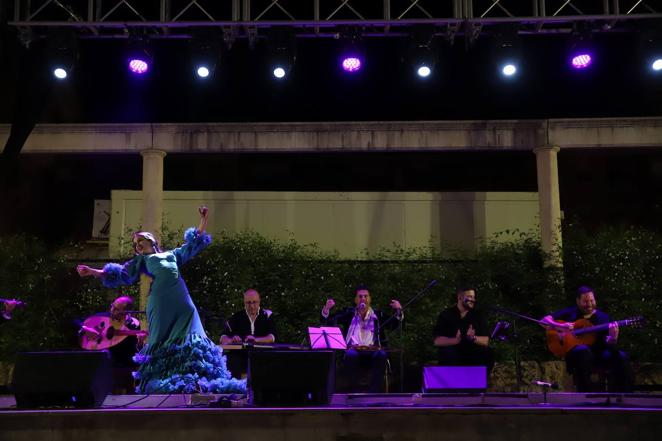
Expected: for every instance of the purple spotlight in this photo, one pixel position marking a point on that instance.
(581, 60)
(351, 63)
(138, 66)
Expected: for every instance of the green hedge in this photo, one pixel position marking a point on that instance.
(623, 265)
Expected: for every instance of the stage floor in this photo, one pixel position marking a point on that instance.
(354, 417)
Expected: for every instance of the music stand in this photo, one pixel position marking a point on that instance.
(326, 337)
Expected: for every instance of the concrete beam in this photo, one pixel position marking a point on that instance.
(344, 136)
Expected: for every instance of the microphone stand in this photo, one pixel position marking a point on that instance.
(515, 339)
(388, 320)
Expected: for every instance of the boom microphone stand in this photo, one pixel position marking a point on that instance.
(502, 326)
(388, 320)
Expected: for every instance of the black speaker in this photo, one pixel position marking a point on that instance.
(291, 378)
(64, 379)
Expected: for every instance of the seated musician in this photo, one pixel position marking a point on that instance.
(581, 360)
(461, 333)
(253, 325)
(363, 342)
(121, 354)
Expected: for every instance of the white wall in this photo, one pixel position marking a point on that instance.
(349, 223)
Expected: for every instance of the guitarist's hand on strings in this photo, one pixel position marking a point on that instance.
(549, 323)
(612, 337)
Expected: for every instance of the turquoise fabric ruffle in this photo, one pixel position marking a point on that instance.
(195, 366)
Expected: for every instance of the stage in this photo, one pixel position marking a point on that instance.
(360, 417)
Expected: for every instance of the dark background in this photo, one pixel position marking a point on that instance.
(597, 187)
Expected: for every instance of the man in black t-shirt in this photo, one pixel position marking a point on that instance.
(253, 325)
(461, 334)
(581, 359)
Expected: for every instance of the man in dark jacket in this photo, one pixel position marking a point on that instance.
(363, 327)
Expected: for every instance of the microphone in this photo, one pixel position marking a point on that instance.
(545, 384)
(361, 306)
(499, 330)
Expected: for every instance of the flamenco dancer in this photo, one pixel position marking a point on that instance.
(178, 356)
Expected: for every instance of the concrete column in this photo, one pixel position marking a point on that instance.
(152, 212)
(550, 204)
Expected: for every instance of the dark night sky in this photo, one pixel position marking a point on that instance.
(614, 186)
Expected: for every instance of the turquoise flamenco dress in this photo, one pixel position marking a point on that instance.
(178, 356)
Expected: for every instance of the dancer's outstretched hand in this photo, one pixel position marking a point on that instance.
(84, 270)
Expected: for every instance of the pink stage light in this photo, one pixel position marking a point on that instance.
(138, 66)
(351, 64)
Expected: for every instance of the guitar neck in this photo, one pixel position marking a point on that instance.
(599, 328)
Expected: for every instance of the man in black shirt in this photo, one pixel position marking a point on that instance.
(581, 359)
(253, 325)
(461, 334)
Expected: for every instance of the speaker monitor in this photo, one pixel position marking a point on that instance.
(70, 379)
(291, 378)
(454, 378)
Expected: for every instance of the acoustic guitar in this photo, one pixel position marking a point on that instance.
(561, 342)
(106, 332)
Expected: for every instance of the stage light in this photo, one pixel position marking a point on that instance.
(352, 51)
(138, 65)
(282, 51)
(203, 71)
(351, 63)
(60, 73)
(506, 51)
(651, 49)
(423, 51)
(581, 60)
(205, 51)
(139, 55)
(582, 53)
(62, 53)
(423, 71)
(509, 69)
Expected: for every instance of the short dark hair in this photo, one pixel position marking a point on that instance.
(360, 288)
(583, 290)
(465, 288)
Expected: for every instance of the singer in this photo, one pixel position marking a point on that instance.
(461, 333)
(364, 335)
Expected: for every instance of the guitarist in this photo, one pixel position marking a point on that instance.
(122, 353)
(603, 353)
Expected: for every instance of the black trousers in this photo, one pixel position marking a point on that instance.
(375, 360)
(582, 359)
(466, 354)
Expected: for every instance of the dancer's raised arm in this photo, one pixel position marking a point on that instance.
(86, 271)
(204, 214)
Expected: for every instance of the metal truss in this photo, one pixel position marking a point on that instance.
(328, 18)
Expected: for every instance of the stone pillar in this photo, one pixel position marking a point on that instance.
(550, 204)
(152, 212)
